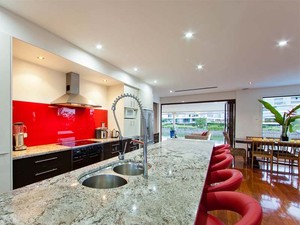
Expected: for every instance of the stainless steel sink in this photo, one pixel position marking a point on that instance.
(129, 168)
(104, 181)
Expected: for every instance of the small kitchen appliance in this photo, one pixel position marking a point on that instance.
(19, 133)
(115, 133)
(101, 133)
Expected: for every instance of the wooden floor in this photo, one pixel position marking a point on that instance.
(278, 194)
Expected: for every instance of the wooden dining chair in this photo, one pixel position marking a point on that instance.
(262, 150)
(287, 153)
(235, 151)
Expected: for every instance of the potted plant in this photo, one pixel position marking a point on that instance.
(172, 132)
(286, 120)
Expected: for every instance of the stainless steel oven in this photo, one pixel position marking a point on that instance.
(85, 152)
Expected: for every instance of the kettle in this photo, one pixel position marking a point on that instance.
(115, 133)
(101, 133)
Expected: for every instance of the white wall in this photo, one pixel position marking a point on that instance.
(249, 110)
(96, 92)
(34, 83)
(146, 96)
(5, 114)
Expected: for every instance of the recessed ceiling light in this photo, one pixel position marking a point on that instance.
(41, 57)
(250, 82)
(282, 43)
(99, 46)
(155, 81)
(171, 91)
(135, 69)
(189, 35)
(200, 67)
(104, 80)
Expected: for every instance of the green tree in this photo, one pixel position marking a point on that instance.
(201, 122)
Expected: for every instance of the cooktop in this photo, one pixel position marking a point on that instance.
(78, 143)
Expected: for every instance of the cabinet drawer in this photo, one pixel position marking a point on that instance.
(115, 147)
(33, 169)
(51, 165)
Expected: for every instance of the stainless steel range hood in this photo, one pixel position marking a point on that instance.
(72, 98)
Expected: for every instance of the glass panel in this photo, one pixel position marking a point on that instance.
(194, 118)
(283, 104)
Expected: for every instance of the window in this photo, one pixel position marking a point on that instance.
(194, 118)
(270, 127)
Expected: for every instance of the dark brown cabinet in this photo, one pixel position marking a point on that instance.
(37, 168)
(156, 137)
(112, 149)
(84, 156)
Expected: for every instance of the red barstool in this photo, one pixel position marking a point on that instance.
(221, 151)
(223, 180)
(221, 146)
(246, 206)
(219, 162)
(203, 218)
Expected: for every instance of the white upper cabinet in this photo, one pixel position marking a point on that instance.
(130, 102)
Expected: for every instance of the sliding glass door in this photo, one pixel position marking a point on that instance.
(229, 112)
(189, 118)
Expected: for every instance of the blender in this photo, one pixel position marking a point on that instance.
(19, 133)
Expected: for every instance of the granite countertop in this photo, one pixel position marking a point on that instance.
(170, 195)
(51, 148)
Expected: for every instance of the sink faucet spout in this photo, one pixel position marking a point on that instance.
(122, 152)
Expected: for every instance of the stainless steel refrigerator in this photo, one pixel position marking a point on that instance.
(149, 117)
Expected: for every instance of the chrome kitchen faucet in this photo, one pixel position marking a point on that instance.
(122, 152)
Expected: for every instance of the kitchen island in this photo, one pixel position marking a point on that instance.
(169, 196)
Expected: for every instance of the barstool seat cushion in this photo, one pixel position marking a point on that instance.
(221, 151)
(223, 180)
(221, 146)
(246, 206)
(221, 161)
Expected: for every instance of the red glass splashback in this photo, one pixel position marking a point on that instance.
(47, 124)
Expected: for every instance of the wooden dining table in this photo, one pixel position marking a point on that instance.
(295, 142)
(249, 140)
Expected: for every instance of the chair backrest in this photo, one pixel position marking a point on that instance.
(227, 139)
(286, 150)
(262, 147)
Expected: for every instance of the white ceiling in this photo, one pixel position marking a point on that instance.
(235, 40)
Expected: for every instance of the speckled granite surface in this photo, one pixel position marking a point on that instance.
(50, 148)
(170, 195)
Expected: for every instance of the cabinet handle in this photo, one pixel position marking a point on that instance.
(77, 160)
(114, 150)
(93, 156)
(48, 171)
(45, 160)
